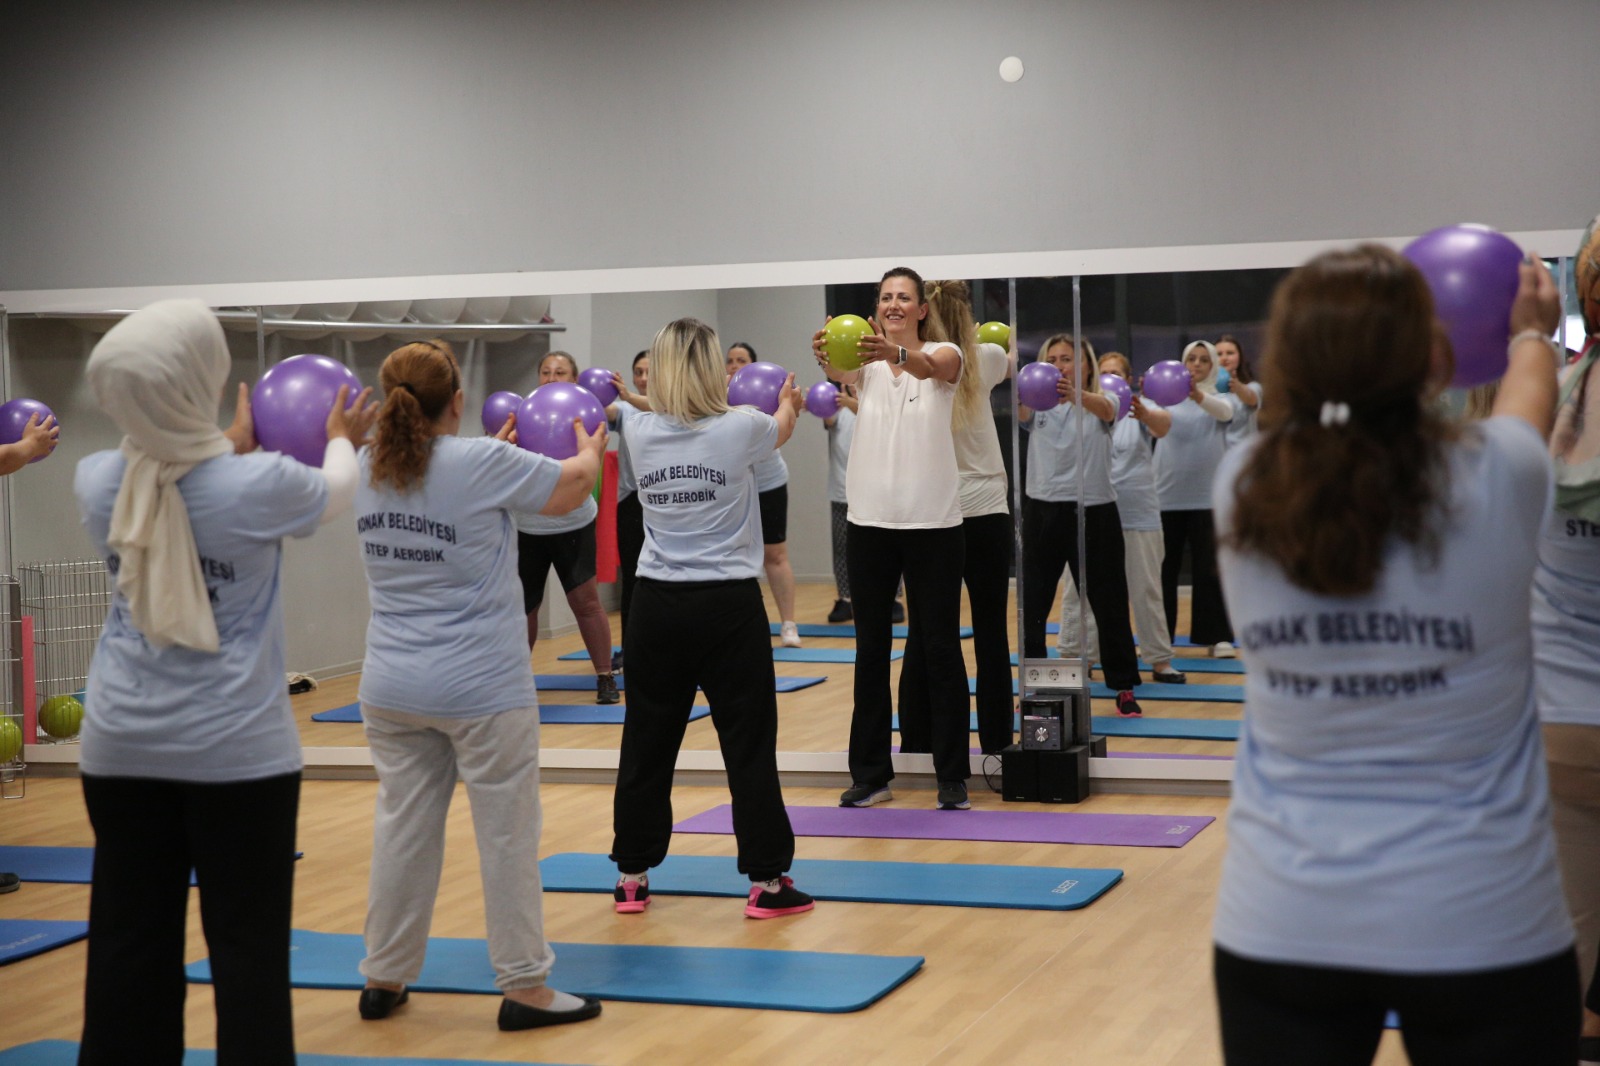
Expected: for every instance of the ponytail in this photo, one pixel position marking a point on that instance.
(419, 381)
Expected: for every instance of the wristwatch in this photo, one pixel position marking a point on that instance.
(902, 360)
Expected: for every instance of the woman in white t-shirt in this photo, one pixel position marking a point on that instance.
(1069, 471)
(1133, 476)
(1389, 841)
(905, 518)
(699, 621)
(772, 483)
(1241, 388)
(1566, 634)
(841, 427)
(987, 531)
(1186, 461)
(446, 690)
(566, 542)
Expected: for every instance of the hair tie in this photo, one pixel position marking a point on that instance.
(405, 385)
(1335, 414)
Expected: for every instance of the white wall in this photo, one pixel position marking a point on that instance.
(182, 141)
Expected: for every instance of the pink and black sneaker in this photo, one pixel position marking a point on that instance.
(1127, 706)
(785, 901)
(632, 896)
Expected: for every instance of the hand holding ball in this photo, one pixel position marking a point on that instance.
(1119, 391)
(842, 339)
(601, 383)
(544, 421)
(1168, 383)
(1472, 271)
(497, 408)
(759, 385)
(292, 401)
(1036, 386)
(822, 399)
(14, 418)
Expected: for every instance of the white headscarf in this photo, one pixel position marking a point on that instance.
(159, 374)
(1207, 384)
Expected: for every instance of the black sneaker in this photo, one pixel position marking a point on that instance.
(897, 613)
(605, 689)
(953, 796)
(10, 882)
(631, 897)
(865, 795)
(1169, 676)
(1127, 706)
(787, 900)
(842, 612)
(378, 1003)
(616, 661)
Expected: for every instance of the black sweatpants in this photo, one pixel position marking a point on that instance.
(1208, 614)
(931, 561)
(238, 838)
(987, 575)
(1050, 542)
(630, 542)
(1273, 1013)
(712, 635)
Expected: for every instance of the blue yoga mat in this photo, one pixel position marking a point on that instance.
(1180, 641)
(65, 1053)
(549, 714)
(847, 632)
(585, 683)
(1188, 666)
(65, 866)
(779, 655)
(913, 883)
(1152, 690)
(23, 938)
(1168, 728)
(827, 982)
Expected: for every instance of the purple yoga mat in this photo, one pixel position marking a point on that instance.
(1030, 827)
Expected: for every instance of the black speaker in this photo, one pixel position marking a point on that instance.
(1045, 776)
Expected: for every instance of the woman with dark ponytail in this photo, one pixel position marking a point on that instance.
(1389, 841)
(446, 690)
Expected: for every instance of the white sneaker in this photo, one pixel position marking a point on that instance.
(1223, 650)
(791, 635)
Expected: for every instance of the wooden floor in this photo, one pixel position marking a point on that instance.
(1124, 981)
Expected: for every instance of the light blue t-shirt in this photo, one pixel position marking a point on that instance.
(839, 436)
(1243, 426)
(1133, 474)
(1053, 457)
(626, 482)
(1390, 809)
(448, 636)
(185, 715)
(1566, 621)
(771, 473)
(544, 525)
(697, 485)
(1186, 459)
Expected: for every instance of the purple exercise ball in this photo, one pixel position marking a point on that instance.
(1472, 271)
(292, 401)
(14, 415)
(1036, 386)
(598, 380)
(1168, 383)
(759, 385)
(822, 399)
(497, 408)
(544, 421)
(1119, 390)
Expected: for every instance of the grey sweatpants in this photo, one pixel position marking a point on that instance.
(418, 758)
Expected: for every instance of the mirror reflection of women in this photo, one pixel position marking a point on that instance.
(630, 513)
(1243, 390)
(1068, 445)
(567, 543)
(772, 482)
(1389, 843)
(1186, 460)
(905, 518)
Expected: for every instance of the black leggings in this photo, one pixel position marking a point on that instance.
(931, 560)
(710, 634)
(1273, 1013)
(238, 838)
(838, 513)
(1050, 542)
(630, 542)
(987, 574)
(1208, 614)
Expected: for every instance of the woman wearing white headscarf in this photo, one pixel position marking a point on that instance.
(1186, 462)
(190, 757)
